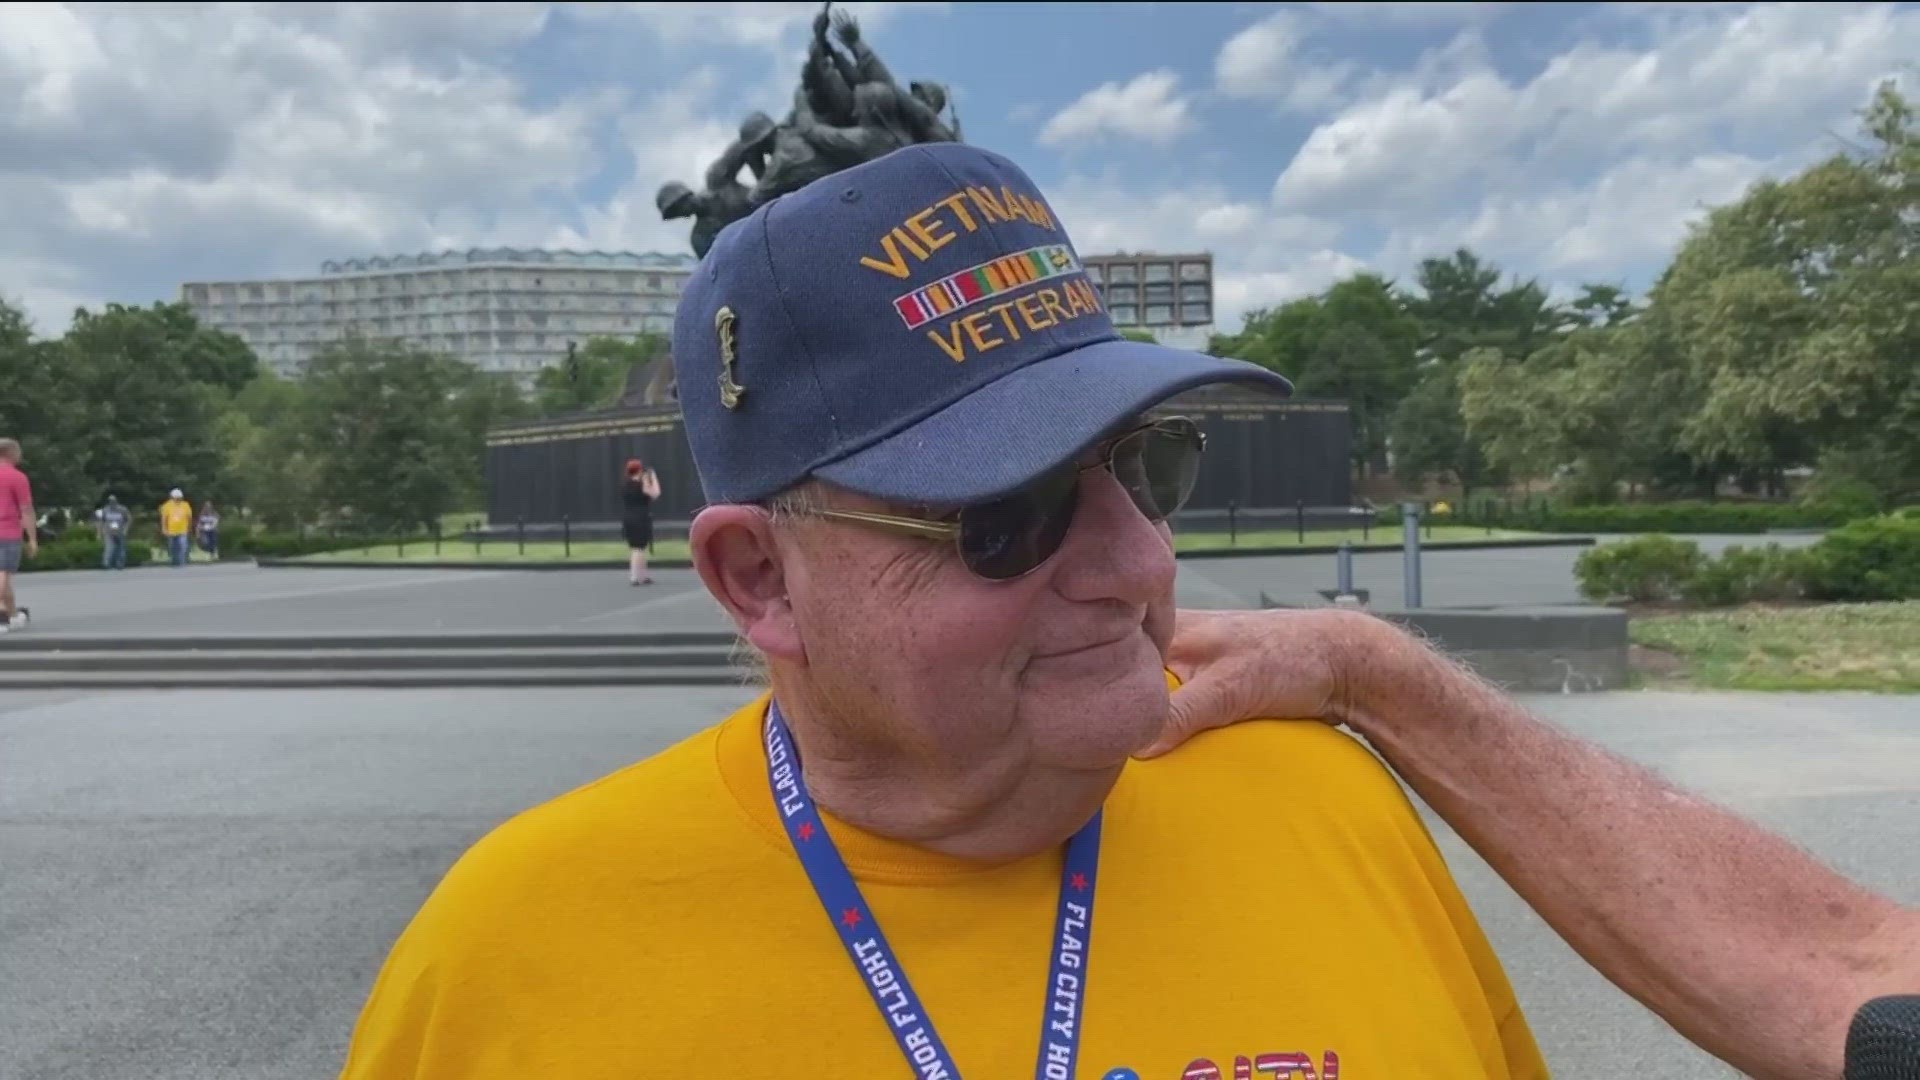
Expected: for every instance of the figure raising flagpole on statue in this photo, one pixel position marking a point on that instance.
(848, 109)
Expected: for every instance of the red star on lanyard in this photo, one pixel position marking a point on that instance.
(851, 917)
(806, 830)
(1078, 881)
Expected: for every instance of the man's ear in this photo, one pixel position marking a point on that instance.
(735, 553)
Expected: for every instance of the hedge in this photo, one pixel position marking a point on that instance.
(82, 551)
(1875, 558)
(244, 543)
(72, 552)
(1871, 559)
(1683, 516)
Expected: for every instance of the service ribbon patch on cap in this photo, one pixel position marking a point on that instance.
(957, 292)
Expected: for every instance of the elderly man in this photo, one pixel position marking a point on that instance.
(938, 492)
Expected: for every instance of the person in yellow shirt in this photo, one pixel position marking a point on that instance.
(176, 522)
(928, 850)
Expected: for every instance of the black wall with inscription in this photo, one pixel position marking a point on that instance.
(1260, 453)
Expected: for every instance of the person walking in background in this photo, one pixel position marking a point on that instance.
(176, 520)
(19, 532)
(209, 530)
(636, 518)
(114, 521)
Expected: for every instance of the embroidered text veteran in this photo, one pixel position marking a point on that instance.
(994, 314)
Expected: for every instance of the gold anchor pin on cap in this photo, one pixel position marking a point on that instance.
(723, 325)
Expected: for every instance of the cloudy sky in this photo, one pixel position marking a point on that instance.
(145, 144)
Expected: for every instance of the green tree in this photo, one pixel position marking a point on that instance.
(1355, 341)
(41, 407)
(1602, 305)
(397, 433)
(270, 467)
(1795, 307)
(1600, 407)
(593, 375)
(1462, 310)
(127, 401)
(143, 420)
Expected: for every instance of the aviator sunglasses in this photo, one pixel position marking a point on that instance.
(1006, 538)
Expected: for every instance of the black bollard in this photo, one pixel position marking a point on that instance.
(520, 527)
(473, 530)
(566, 536)
(436, 538)
(1233, 523)
(1300, 520)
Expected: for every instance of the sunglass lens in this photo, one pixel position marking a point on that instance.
(1158, 467)
(1009, 537)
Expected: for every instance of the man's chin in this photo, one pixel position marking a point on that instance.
(1121, 715)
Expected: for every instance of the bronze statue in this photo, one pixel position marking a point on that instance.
(847, 110)
(726, 200)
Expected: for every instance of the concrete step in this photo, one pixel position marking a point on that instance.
(18, 679)
(37, 641)
(358, 659)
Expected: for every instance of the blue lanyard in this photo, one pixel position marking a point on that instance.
(874, 959)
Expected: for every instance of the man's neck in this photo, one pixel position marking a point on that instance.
(993, 811)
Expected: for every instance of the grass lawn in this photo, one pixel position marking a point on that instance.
(614, 551)
(1824, 647)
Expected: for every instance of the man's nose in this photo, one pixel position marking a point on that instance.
(1113, 551)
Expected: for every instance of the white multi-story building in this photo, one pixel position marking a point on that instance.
(1169, 296)
(501, 309)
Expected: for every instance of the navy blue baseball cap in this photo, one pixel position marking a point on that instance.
(918, 329)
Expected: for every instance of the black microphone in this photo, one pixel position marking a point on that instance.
(1884, 1041)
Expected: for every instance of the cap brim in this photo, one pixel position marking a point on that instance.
(1035, 418)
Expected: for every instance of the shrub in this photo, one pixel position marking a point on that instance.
(247, 544)
(1681, 516)
(81, 552)
(1644, 568)
(1696, 517)
(1741, 575)
(1875, 558)
(1850, 499)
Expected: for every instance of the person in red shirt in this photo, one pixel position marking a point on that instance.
(17, 532)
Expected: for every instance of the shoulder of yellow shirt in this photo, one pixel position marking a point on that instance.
(645, 810)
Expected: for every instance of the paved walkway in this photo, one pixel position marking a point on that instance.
(238, 598)
(201, 885)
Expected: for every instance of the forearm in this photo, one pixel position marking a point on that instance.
(1745, 944)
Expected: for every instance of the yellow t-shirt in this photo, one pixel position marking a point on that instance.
(1270, 906)
(176, 517)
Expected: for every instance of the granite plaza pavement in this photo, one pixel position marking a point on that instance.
(241, 598)
(201, 884)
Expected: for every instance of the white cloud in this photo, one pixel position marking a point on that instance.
(1150, 107)
(197, 142)
(1773, 74)
(1412, 11)
(1265, 61)
(1635, 213)
(748, 25)
(672, 135)
(1254, 58)
(1261, 256)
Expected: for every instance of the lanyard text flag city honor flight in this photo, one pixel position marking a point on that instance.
(874, 959)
